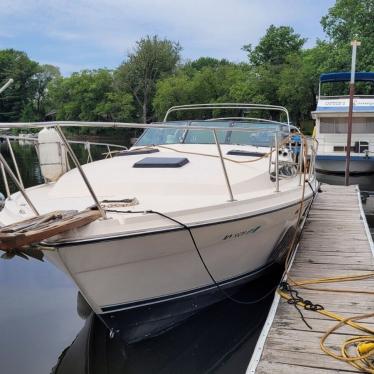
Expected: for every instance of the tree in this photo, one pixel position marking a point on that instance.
(275, 46)
(299, 77)
(37, 107)
(13, 102)
(203, 62)
(89, 96)
(212, 84)
(151, 60)
(43, 77)
(347, 20)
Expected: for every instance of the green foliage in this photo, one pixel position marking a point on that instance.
(274, 47)
(37, 109)
(89, 96)
(17, 97)
(152, 78)
(203, 62)
(348, 20)
(213, 83)
(151, 60)
(26, 98)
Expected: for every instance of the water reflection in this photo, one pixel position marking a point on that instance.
(366, 182)
(38, 316)
(39, 324)
(219, 339)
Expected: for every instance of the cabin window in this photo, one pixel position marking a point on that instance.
(338, 148)
(361, 147)
(340, 126)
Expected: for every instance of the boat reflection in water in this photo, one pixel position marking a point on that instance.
(218, 339)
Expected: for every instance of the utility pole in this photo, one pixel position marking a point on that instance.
(6, 85)
(354, 45)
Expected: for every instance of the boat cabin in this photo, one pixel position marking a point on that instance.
(331, 115)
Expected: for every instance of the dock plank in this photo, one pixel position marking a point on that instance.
(334, 242)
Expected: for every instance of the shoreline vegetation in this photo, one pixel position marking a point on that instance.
(279, 71)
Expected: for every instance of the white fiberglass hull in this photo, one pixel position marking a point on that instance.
(138, 270)
(335, 164)
(331, 170)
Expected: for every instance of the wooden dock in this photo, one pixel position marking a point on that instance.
(335, 241)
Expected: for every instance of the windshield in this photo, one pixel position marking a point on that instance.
(262, 137)
(206, 137)
(163, 136)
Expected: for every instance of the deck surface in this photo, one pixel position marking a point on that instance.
(333, 243)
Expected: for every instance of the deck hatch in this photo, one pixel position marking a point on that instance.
(239, 152)
(161, 162)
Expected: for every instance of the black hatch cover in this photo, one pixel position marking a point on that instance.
(161, 162)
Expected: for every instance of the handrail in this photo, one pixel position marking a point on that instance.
(83, 142)
(243, 119)
(14, 162)
(228, 106)
(276, 162)
(15, 180)
(6, 184)
(83, 175)
(223, 166)
(59, 124)
(160, 125)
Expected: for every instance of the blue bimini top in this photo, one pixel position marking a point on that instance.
(346, 77)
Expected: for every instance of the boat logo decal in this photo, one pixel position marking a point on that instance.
(237, 235)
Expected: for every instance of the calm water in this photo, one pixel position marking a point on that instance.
(41, 331)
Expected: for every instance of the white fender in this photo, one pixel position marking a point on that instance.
(52, 154)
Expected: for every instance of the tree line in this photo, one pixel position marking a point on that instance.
(279, 71)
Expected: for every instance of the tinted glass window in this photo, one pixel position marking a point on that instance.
(207, 137)
(163, 136)
(340, 126)
(264, 137)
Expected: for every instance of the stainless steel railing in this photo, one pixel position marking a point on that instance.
(59, 125)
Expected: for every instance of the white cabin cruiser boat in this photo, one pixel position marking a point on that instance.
(194, 210)
(331, 124)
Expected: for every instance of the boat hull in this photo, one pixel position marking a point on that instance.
(144, 322)
(331, 164)
(158, 279)
(331, 170)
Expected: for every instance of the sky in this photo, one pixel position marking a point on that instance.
(90, 34)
